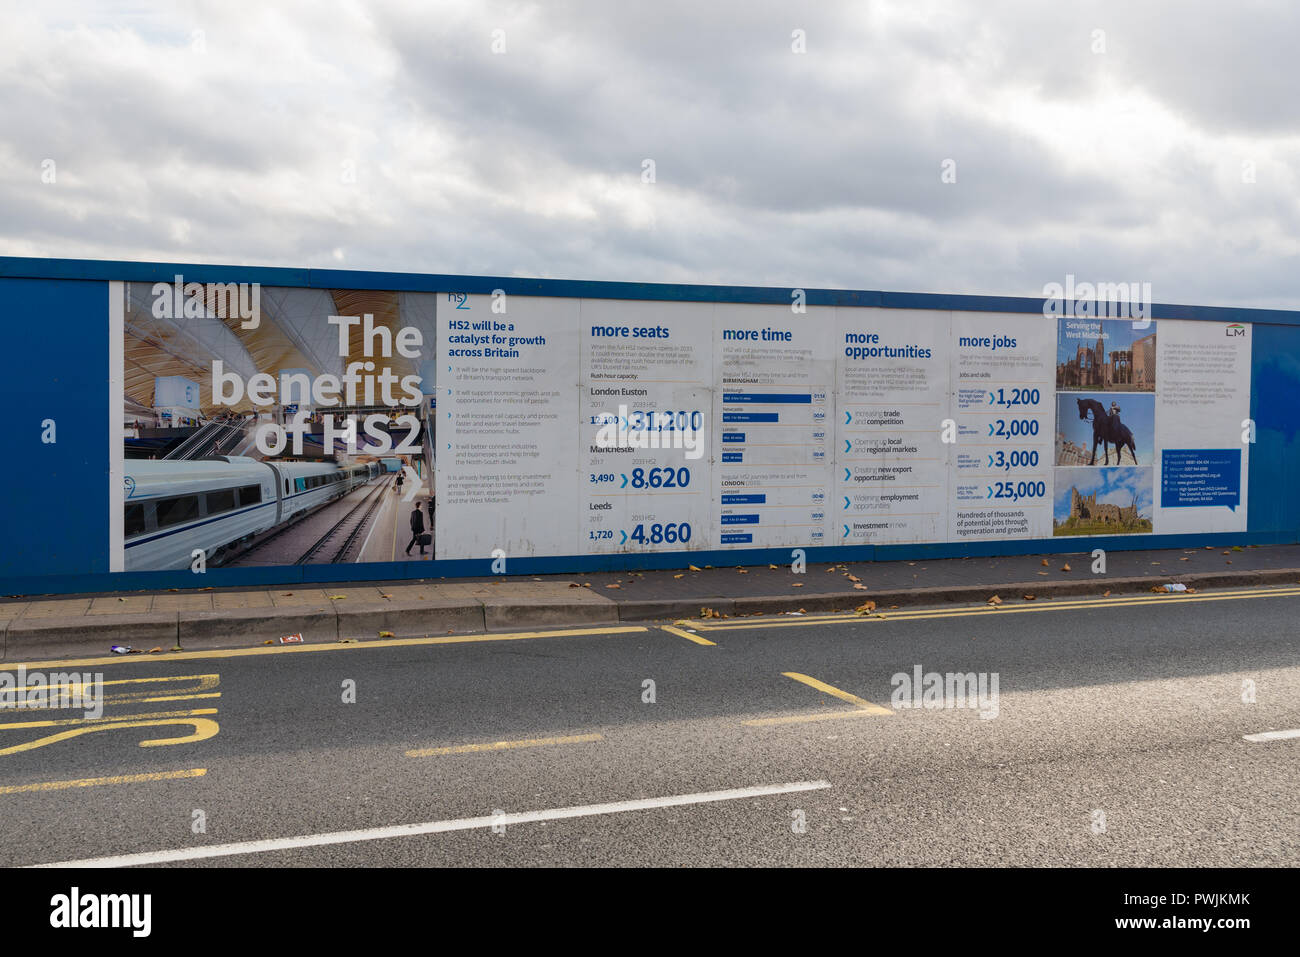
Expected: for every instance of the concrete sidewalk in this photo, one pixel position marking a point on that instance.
(41, 627)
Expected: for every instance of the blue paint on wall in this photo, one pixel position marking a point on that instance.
(55, 502)
(1274, 464)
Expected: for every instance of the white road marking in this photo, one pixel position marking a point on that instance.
(438, 827)
(1273, 735)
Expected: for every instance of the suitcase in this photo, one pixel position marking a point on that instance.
(425, 539)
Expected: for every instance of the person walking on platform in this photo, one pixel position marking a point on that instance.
(400, 479)
(417, 529)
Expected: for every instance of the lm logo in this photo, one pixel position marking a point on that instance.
(1236, 329)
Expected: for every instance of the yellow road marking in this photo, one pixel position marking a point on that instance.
(327, 646)
(502, 745)
(837, 693)
(204, 728)
(687, 635)
(1054, 605)
(107, 719)
(55, 691)
(96, 782)
(819, 716)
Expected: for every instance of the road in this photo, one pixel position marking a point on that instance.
(1119, 739)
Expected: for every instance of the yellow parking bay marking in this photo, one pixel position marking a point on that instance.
(97, 782)
(204, 728)
(818, 716)
(59, 692)
(837, 693)
(327, 646)
(107, 719)
(687, 635)
(1005, 609)
(503, 745)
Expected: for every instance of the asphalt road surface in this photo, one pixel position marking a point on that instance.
(1117, 737)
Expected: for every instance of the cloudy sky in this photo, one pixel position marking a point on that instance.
(1118, 141)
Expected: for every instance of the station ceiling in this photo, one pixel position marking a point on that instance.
(293, 334)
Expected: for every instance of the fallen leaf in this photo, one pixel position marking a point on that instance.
(1065, 567)
(1157, 589)
(853, 578)
(679, 575)
(860, 587)
(287, 594)
(1042, 573)
(995, 600)
(613, 586)
(123, 599)
(1029, 597)
(1044, 562)
(866, 608)
(797, 585)
(155, 651)
(574, 585)
(586, 584)
(771, 566)
(385, 596)
(1106, 593)
(387, 634)
(743, 571)
(268, 642)
(337, 597)
(693, 568)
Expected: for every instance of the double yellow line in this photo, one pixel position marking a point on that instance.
(921, 614)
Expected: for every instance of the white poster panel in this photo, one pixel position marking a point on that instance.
(774, 409)
(1202, 407)
(892, 397)
(646, 412)
(507, 445)
(1003, 370)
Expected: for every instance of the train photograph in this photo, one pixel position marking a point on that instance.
(203, 482)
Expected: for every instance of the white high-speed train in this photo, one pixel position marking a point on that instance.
(173, 508)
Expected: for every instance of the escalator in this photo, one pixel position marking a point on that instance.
(219, 437)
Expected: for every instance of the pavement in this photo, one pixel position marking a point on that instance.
(1156, 730)
(42, 626)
